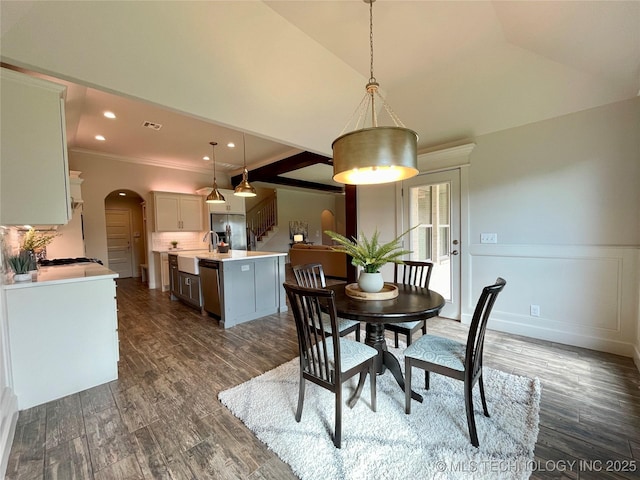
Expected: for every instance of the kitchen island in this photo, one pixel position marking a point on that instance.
(237, 286)
(62, 331)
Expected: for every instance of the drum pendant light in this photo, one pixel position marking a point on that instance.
(244, 188)
(215, 196)
(376, 154)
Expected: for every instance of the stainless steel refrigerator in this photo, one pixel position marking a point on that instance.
(231, 228)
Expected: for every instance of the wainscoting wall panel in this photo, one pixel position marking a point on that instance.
(587, 296)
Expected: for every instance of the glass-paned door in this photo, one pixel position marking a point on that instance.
(431, 203)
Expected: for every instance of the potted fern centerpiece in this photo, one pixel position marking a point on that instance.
(370, 255)
(22, 264)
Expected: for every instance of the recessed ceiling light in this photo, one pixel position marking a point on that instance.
(205, 158)
(231, 145)
(122, 194)
(100, 137)
(109, 114)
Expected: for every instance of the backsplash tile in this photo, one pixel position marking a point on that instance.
(186, 240)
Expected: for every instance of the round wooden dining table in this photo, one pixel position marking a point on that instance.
(412, 303)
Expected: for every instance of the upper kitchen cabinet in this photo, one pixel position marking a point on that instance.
(34, 171)
(177, 212)
(232, 203)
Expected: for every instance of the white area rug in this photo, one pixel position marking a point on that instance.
(430, 443)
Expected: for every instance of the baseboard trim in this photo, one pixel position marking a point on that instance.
(9, 409)
(616, 347)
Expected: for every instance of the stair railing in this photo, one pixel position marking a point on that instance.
(262, 217)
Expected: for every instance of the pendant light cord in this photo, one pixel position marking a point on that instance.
(372, 86)
(372, 79)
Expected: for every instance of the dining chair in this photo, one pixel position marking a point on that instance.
(327, 359)
(311, 275)
(455, 359)
(410, 273)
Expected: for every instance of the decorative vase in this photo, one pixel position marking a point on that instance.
(22, 277)
(370, 282)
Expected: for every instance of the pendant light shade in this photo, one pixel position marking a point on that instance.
(215, 196)
(376, 154)
(244, 188)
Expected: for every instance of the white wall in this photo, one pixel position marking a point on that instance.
(193, 83)
(563, 197)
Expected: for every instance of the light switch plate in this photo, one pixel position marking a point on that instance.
(488, 238)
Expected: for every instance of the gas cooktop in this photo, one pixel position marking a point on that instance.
(67, 261)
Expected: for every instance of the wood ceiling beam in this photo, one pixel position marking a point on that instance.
(270, 173)
(292, 182)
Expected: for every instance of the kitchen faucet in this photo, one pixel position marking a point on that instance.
(208, 234)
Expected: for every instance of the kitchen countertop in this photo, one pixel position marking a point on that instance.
(77, 272)
(180, 250)
(231, 255)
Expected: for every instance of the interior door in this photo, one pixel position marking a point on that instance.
(432, 203)
(119, 241)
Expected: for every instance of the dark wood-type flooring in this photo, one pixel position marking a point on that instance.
(161, 418)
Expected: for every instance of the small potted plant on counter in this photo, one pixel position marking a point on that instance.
(174, 244)
(370, 255)
(22, 265)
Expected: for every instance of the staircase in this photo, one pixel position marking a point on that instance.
(262, 221)
(261, 244)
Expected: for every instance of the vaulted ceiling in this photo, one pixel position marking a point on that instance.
(290, 73)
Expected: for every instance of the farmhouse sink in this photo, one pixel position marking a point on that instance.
(188, 262)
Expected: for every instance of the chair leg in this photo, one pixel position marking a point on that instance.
(471, 421)
(407, 386)
(424, 327)
(408, 339)
(484, 401)
(300, 399)
(426, 379)
(358, 333)
(356, 395)
(337, 435)
(395, 338)
(372, 377)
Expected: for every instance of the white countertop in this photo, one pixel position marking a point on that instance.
(179, 250)
(231, 255)
(77, 272)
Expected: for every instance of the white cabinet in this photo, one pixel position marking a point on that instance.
(63, 338)
(233, 203)
(176, 212)
(34, 171)
(162, 266)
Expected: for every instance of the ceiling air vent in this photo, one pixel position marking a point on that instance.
(152, 126)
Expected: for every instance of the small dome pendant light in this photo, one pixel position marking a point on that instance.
(215, 196)
(374, 155)
(244, 188)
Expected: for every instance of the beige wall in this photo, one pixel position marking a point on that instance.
(576, 177)
(102, 176)
(304, 206)
(69, 243)
(563, 197)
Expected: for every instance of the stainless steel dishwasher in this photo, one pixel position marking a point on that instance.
(210, 284)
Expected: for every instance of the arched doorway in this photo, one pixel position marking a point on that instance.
(328, 222)
(125, 232)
